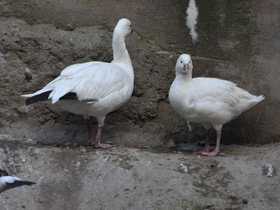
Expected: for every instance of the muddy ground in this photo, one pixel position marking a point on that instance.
(130, 178)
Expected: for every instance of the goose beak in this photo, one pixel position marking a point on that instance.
(186, 67)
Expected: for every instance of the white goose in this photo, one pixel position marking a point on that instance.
(209, 101)
(94, 88)
(8, 182)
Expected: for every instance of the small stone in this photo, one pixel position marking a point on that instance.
(28, 75)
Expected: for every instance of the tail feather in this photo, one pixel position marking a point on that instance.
(37, 93)
(17, 183)
(45, 96)
(22, 182)
(261, 97)
(41, 97)
(256, 100)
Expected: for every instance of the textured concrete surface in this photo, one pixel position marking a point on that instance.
(129, 178)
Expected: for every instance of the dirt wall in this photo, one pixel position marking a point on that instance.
(237, 41)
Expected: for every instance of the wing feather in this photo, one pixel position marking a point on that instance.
(91, 83)
(216, 95)
(70, 70)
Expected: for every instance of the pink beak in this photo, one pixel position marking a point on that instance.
(186, 67)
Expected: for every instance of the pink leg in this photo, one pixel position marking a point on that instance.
(97, 143)
(217, 149)
(207, 144)
(90, 139)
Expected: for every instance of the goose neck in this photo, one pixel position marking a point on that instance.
(185, 77)
(120, 53)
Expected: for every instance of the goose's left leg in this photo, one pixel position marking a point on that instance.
(97, 143)
(207, 127)
(217, 149)
(207, 144)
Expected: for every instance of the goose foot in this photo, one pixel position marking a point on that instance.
(102, 146)
(97, 144)
(211, 154)
(217, 149)
(201, 152)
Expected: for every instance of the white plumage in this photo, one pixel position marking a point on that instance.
(209, 101)
(98, 87)
(9, 182)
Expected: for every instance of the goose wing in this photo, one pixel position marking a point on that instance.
(90, 83)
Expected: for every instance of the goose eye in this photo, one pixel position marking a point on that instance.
(181, 61)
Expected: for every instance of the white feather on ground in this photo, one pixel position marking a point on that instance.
(209, 101)
(98, 87)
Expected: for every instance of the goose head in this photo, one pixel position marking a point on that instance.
(123, 27)
(184, 64)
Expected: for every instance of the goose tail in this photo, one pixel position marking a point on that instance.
(260, 98)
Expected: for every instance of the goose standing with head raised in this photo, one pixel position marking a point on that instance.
(209, 101)
(94, 88)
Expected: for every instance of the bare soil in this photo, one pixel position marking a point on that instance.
(129, 178)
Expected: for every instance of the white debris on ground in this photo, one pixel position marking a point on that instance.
(31, 141)
(183, 168)
(221, 164)
(269, 170)
(78, 164)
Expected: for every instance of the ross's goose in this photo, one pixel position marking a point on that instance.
(209, 101)
(8, 182)
(94, 88)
